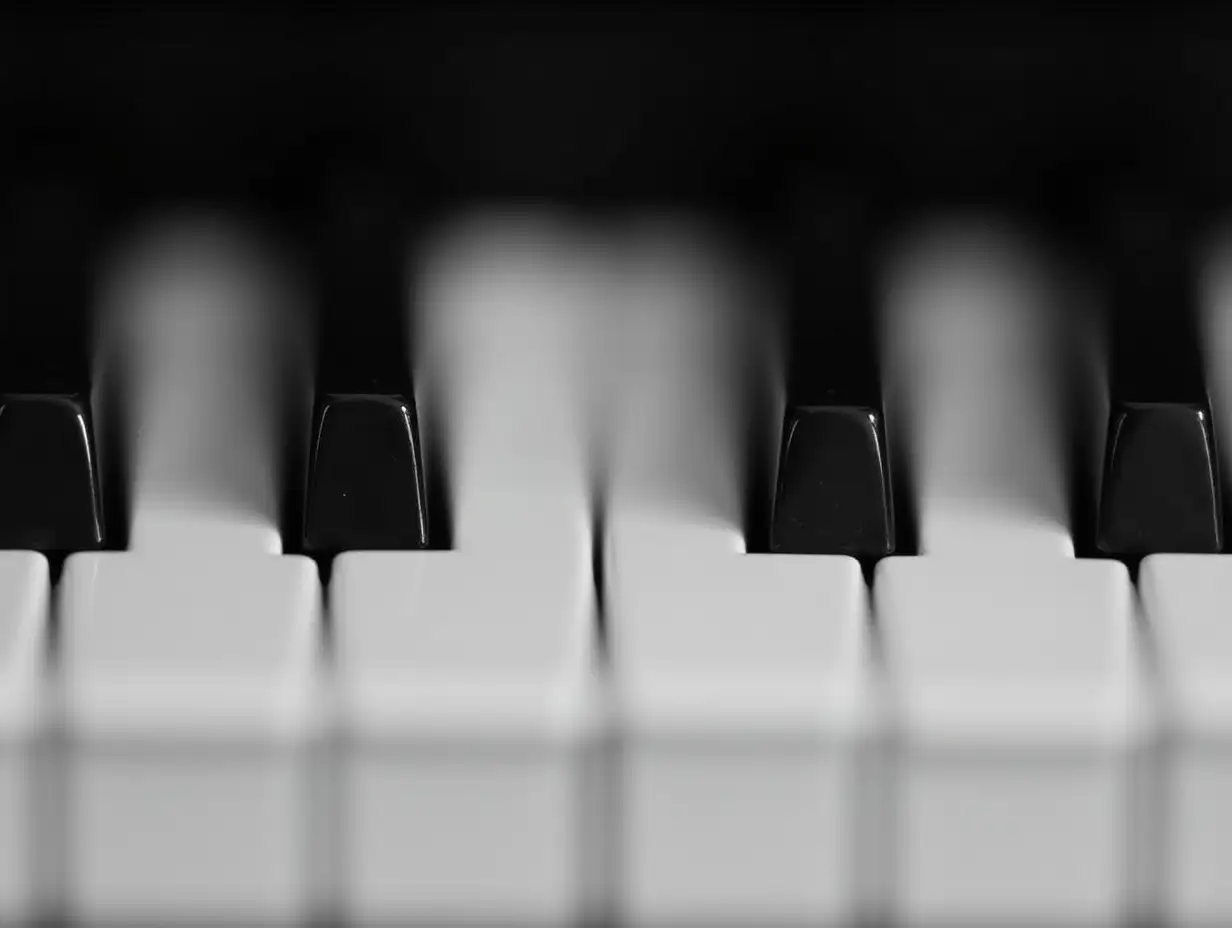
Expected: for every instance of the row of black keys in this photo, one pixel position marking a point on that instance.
(364, 486)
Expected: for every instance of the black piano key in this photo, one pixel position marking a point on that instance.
(1160, 489)
(833, 492)
(50, 495)
(365, 472)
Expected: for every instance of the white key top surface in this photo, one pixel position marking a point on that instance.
(741, 685)
(199, 330)
(466, 685)
(24, 597)
(189, 688)
(972, 356)
(1016, 693)
(1184, 599)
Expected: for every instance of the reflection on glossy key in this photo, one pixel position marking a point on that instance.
(1160, 489)
(971, 323)
(833, 491)
(200, 327)
(365, 471)
(50, 236)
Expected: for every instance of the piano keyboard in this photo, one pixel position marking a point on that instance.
(606, 469)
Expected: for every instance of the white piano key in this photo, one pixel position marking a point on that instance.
(687, 358)
(191, 709)
(199, 329)
(468, 698)
(740, 682)
(1017, 696)
(742, 690)
(24, 597)
(974, 365)
(506, 313)
(1184, 600)
(466, 679)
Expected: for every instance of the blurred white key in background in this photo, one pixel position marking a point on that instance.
(203, 336)
(974, 362)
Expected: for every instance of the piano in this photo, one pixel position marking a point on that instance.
(611, 467)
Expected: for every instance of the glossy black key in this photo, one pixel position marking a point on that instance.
(50, 497)
(365, 479)
(1160, 490)
(833, 492)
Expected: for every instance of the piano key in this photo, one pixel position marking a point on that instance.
(833, 491)
(24, 624)
(1182, 600)
(689, 362)
(204, 338)
(1160, 490)
(742, 692)
(1020, 711)
(190, 710)
(737, 680)
(465, 680)
(507, 339)
(468, 697)
(365, 478)
(977, 372)
(49, 471)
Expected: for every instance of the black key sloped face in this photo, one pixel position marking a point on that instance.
(1160, 489)
(833, 493)
(50, 497)
(365, 480)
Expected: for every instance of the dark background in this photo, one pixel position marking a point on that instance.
(722, 104)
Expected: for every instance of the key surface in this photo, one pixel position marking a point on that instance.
(365, 479)
(971, 321)
(24, 712)
(833, 492)
(50, 493)
(190, 706)
(741, 682)
(1016, 695)
(1160, 490)
(1184, 602)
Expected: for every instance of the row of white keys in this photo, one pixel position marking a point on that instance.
(740, 682)
(1013, 670)
(189, 664)
(466, 678)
